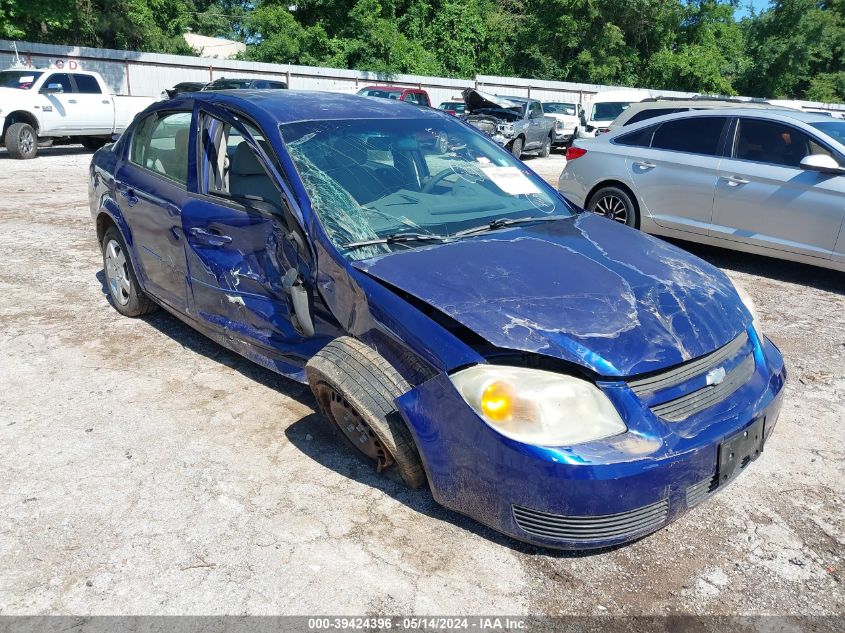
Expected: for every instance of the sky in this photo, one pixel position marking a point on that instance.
(742, 9)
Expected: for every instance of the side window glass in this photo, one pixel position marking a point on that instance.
(232, 169)
(57, 83)
(86, 84)
(161, 144)
(772, 142)
(640, 138)
(697, 136)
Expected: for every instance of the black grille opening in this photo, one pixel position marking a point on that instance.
(584, 529)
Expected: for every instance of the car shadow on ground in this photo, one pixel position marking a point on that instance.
(58, 150)
(759, 265)
(317, 439)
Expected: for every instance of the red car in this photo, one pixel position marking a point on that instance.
(397, 93)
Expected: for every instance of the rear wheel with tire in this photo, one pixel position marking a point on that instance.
(21, 141)
(615, 204)
(547, 147)
(92, 142)
(516, 147)
(355, 388)
(125, 293)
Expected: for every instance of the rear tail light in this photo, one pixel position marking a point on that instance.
(573, 152)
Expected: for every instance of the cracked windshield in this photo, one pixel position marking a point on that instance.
(379, 186)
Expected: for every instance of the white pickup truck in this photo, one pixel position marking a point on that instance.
(41, 105)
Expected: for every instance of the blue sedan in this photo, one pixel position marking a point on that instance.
(556, 376)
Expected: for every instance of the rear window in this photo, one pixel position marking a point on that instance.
(383, 94)
(695, 136)
(87, 84)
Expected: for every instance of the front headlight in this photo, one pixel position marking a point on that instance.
(538, 407)
(749, 304)
(506, 128)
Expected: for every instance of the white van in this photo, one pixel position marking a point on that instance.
(606, 106)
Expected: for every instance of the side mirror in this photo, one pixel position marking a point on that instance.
(52, 88)
(822, 163)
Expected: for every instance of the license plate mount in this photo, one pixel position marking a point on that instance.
(739, 450)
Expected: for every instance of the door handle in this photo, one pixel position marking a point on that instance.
(733, 181)
(106, 101)
(642, 164)
(212, 237)
(71, 100)
(129, 194)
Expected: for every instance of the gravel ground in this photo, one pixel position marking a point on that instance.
(145, 470)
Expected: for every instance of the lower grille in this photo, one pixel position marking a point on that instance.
(697, 493)
(584, 529)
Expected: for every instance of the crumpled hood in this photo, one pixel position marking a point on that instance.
(586, 290)
(477, 100)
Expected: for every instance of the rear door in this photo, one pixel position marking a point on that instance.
(152, 187)
(245, 250)
(764, 198)
(674, 175)
(96, 110)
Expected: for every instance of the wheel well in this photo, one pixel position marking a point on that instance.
(104, 221)
(20, 116)
(620, 185)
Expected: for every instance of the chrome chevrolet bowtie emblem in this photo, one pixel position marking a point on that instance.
(716, 376)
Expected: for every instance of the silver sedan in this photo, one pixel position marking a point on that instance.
(770, 182)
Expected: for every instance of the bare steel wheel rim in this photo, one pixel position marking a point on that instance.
(353, 426)
(613, 207)
(26, 141)
(117, 273)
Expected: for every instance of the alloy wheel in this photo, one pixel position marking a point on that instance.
(612, 207)
(117, 273)
(26, 141)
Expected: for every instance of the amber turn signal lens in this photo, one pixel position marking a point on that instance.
(497, 401)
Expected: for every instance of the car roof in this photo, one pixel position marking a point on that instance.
(297, 105)
(775, 113)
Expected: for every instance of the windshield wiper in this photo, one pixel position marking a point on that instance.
(500, 223)
(397, 238)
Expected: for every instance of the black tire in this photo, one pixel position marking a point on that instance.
(355, 388)
(92, 142)
(131, 302)
(21, 141)
(547, 147)
(516, 147)
(616, 204)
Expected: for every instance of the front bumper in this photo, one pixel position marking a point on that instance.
(563, 136)
(593, 495)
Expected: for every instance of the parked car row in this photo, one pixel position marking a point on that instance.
(459, 322)
(224, 83)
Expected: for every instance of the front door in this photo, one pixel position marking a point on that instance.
(764, 198)
(673, 170)
(244, 256)
(59, 105)
(152, 188)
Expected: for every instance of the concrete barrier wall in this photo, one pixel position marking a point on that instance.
(147, 74)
